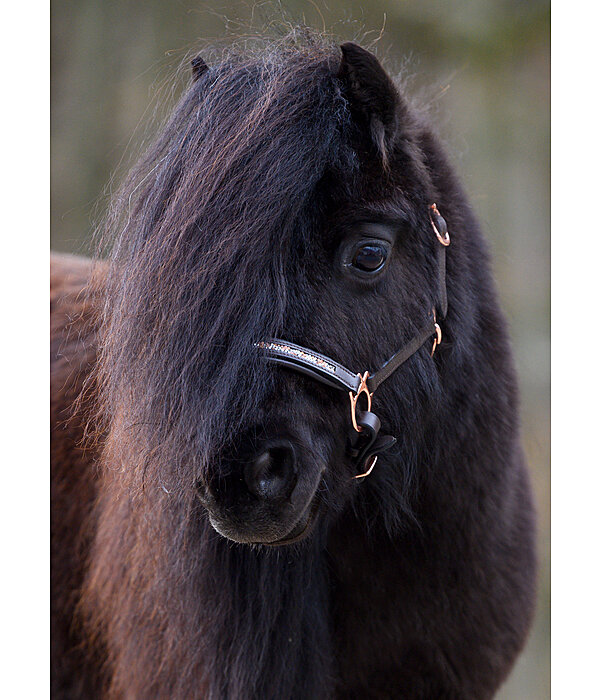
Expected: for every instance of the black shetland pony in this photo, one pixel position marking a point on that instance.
(212, 541)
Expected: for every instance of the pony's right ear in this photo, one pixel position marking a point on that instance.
(371, 94)
(199, 68)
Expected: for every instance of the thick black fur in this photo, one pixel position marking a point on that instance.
(417, 582)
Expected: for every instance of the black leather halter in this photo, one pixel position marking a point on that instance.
(365, 441)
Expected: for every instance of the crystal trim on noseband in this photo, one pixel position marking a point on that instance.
(300, 354)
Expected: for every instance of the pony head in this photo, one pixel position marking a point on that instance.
(287, 196)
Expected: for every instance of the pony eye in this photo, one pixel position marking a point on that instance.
(370, 257)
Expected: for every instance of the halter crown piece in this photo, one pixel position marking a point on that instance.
(365, 441)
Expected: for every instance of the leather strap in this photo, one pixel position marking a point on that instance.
(389, 367)
(442, 305)
(311, 363)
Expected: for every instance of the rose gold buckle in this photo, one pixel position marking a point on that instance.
(438, 334)
(443, 238)
(370, 464)
(362, 389)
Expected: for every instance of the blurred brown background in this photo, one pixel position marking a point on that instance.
(482, 65)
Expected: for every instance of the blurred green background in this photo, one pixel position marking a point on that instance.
(483, 68)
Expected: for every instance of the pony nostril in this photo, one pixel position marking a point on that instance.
(272, 473)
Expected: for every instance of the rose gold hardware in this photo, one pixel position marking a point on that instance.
(438, 334)
(443, 238)
(371, 463)
(438, 338)
(362, 389)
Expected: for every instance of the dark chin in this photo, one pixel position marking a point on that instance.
(301, 529)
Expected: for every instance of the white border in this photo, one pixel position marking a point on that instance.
(575, 348)
(24, 474)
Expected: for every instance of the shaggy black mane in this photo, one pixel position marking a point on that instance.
(200, 271)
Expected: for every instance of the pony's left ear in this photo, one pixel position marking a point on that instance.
(371, 93)
(199, 67)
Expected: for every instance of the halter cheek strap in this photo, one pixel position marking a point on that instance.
(365, 442)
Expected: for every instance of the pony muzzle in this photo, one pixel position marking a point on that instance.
(266, 496)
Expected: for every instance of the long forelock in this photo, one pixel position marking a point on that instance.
(201, 229)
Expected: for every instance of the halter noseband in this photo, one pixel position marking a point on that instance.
(365, 442)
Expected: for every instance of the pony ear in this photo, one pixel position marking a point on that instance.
(371, 93)
(199, 68)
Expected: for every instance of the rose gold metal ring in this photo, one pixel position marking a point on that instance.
(438, 338)
(371, 463)
(362, 389)
(438, 333)
(443, 238)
